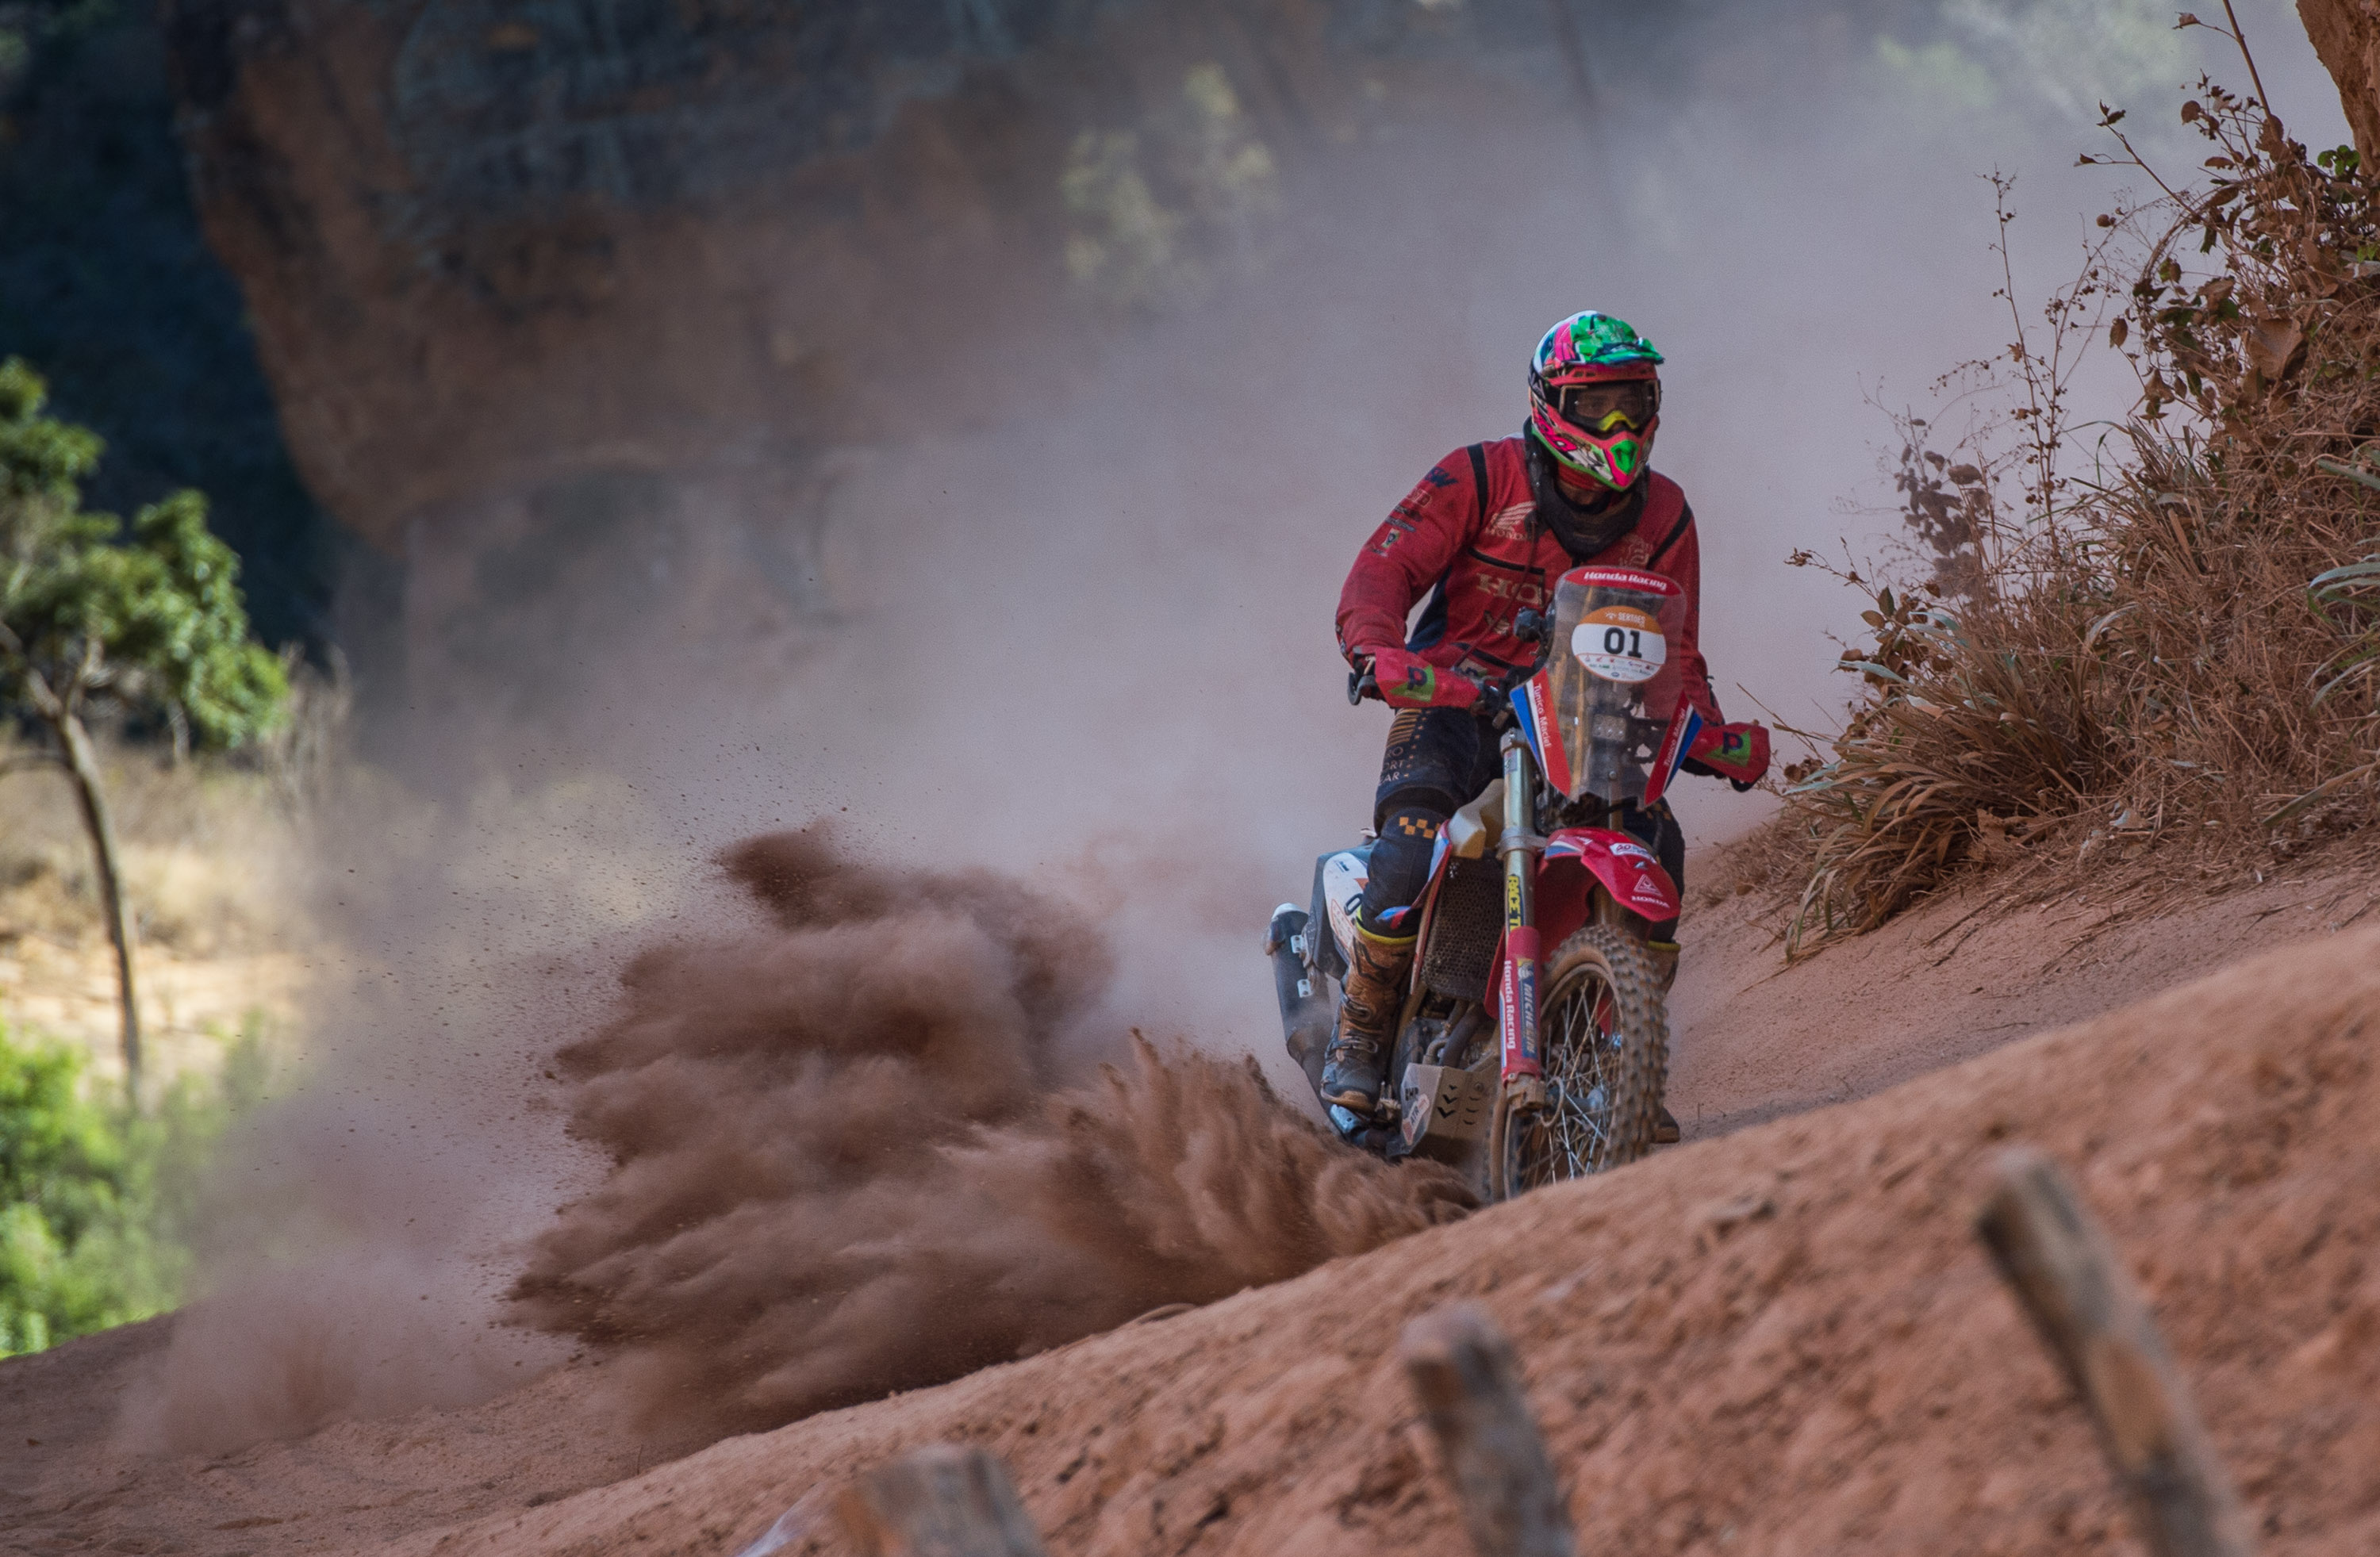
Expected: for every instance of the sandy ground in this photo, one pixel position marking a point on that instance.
(62, 1488)
(1778, 1340)
(210, 856)
(1752, 1039)
(189, 1005)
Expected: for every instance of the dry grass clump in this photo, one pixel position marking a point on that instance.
(213, 846)
(2180, 648)
(211, 855)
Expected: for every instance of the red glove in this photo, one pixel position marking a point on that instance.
(1737, 752)
(1407, 681)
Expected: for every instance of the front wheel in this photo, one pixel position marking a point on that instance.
(1604, 1042)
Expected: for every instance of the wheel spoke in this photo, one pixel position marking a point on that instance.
(1572, 1136)
(1602, 1050)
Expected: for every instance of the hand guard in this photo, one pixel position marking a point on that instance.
(1737, 752)
(1407, 681)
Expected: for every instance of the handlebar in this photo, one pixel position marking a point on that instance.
(1494, 706)
(1495, 696)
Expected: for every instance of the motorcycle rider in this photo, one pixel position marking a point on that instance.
(1485, 536)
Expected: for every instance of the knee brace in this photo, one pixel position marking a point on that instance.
(1399, 870)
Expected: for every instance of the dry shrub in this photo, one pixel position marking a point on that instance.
(2180, 649)
(214, 845)
(211, 855)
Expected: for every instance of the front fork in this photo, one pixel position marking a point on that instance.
(1519, 846)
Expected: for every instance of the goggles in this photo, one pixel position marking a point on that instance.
(1609, 407)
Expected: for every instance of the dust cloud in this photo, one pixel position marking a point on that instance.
(1059, 669)
(842, 1166)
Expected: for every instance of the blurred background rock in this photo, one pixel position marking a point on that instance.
(565, 307)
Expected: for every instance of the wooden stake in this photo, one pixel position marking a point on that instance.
(942, 1500)
(1470, 1389)
(2067, 1278)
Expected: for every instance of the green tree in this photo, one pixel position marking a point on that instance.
(152, 624)
(62, 1169)
(97, 1199)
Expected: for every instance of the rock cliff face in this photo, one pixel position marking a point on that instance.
(498, 245)
(534, 280)
(537, 282)
(108, 289)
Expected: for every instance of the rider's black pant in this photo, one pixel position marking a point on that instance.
(1437, 759)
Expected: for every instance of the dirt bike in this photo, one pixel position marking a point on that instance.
(1517, 1065)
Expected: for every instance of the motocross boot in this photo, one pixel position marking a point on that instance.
(1351, 1071)
(1665, 973)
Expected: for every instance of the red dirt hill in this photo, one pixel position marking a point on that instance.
(1780, 1340)
(1786, 1338)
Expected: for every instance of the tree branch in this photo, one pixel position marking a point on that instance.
(2241, 38)
(87, 674)
(47, 704)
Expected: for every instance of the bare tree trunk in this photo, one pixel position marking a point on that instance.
(942, 1500)
(2075, 1290)
(1462, 1368)
(82, 765)
(2346, 35)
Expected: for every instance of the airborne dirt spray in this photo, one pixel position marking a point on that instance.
(1078, 636)
(841, 1168)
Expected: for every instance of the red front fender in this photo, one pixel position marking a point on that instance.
(1576, 857)
(1626, 868)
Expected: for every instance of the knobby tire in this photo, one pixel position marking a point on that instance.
(1603, 1078)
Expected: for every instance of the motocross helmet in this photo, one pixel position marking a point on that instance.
(1595, 398)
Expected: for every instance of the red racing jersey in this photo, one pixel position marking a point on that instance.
(1467, 533)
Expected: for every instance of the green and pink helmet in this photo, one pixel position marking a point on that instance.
(1595, 397)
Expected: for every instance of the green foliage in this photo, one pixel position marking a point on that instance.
(156, 623)
(2005, 57)
(42, 461)
(1157, 215)
(96, 1201)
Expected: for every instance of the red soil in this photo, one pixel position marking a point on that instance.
(1780, 1340)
